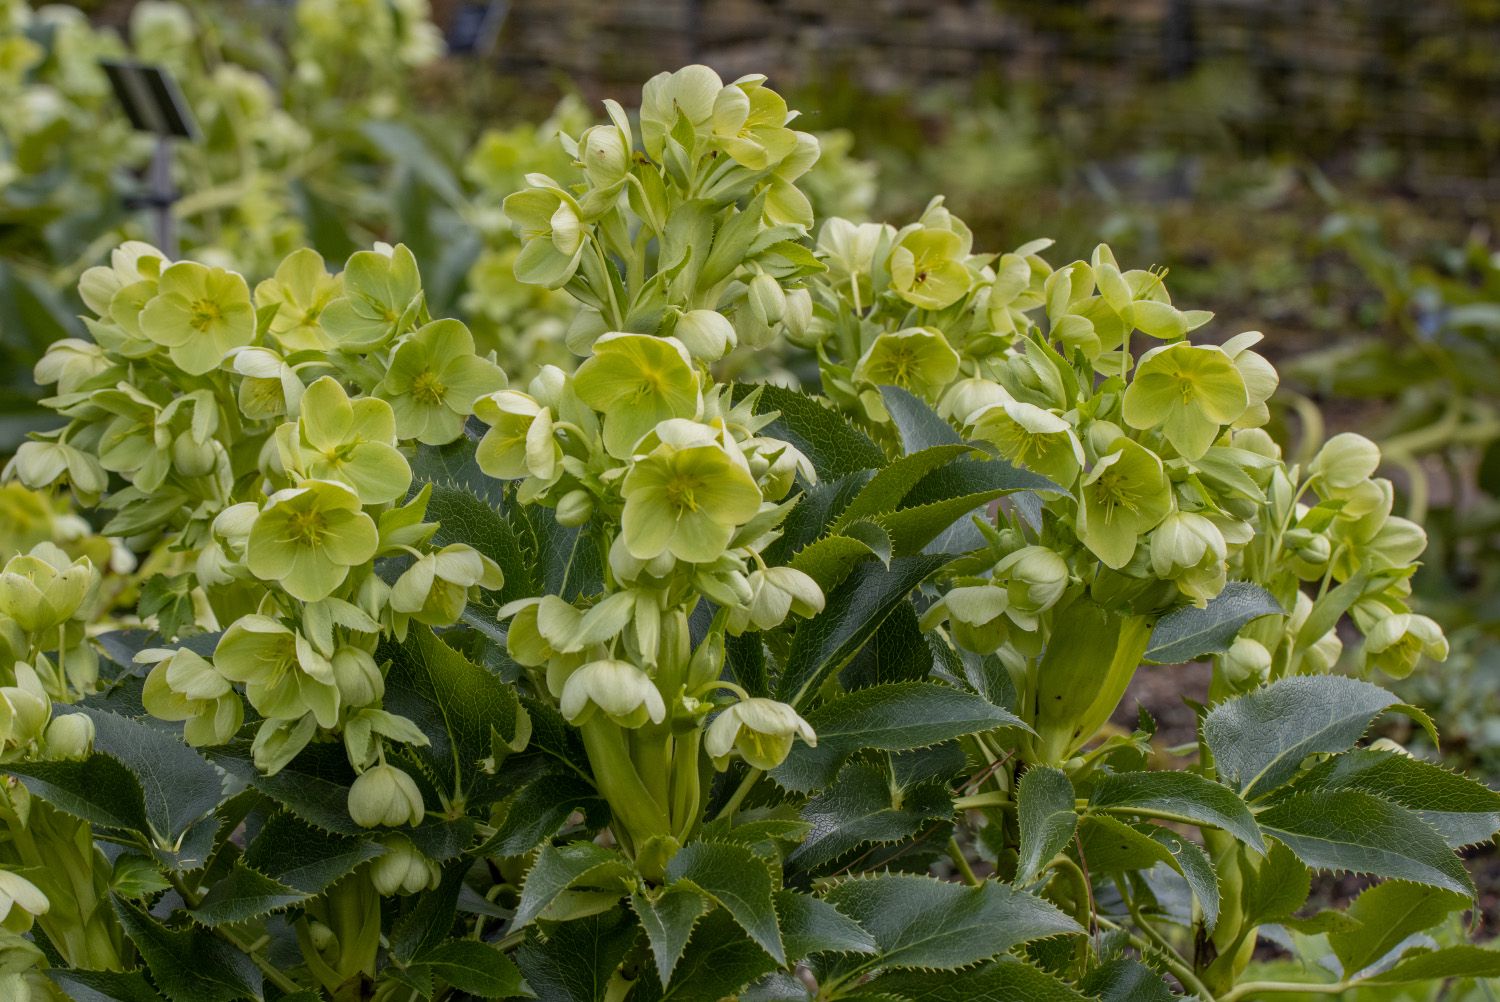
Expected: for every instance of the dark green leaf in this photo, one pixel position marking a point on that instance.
(738, 880)
(536, 811)
(1108, 845)
(474, 967)
(1357, 831)
(811, 925)
(1044, 805)
(1277, 888)
(1126, 980)
(1198, 870)
(919, 425)
(886, 489)
(894, 717)
(314, 787)
(898, 652)
(852, 613)
(719, 961)
(1003, 981)
(1260, 739)
(862, 808)
(1387, 914)
(466, 517)
(244, 894)
(97, 789)
(305, 857)
(431, 920)
(189, 965)
(104, 986)
(559, 868)
(834, 446)
(1190, 633)
(1449, 962)
(668, 919)
(576, 960)
(1184, 795)
(919, 922)
(1464, 812)
(829, 560)
(179, 785)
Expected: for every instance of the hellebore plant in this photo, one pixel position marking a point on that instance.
(625, 680)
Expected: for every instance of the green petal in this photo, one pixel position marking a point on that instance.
(648, 523)
(327, 415)
(352, 538)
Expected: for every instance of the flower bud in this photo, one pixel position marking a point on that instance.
(192, 458)
(1345, 460)
(69, 736)
(385, 795)
(1323, 654)
(1036, 578)
(575, 508)
(1396, 643)
(767, 299)
(605, 155)
(43, 588)
(706, 334)
(357, 676)
(1246, 661)
(799, 313)
(401, 869)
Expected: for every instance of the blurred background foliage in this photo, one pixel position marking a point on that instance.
(1322, 170)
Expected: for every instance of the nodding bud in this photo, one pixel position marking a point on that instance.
(401, 869)
(69, 736)
(1246, 661)
(707, 661)
(706, 334)
(384, 795)
(799, 312)
(574, 508)
(767, 299)
(192, 458)
(1345, 460)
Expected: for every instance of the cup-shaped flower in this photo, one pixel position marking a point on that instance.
(284, 676)
(706, 334)
(761, 730)
(1247, 662)
(749, 123)
(617, 689)
(43, 588)
(384, 795)
(130, 263)
(20, 901)
(307, 537)
(433, 381)
(1345, 461)
(520, 441)
(1032, 438)
(199, 314)
(687, 502)
(918, 359)
(637, 381)
(435, 588)
(553, 236)
(1189, 391)
(927, 268)
(25, 708)
(1126, 494)
(381, 293)
(300, 290)
(352, 442)
(690, 93)
(1190, 549)
(1397, 642)
(777, 593)
(71, 363)
(184, 687)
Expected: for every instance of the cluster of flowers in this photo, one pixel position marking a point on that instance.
(1168, 484)
(224, 420)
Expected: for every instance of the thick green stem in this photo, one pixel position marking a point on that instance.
(629, 800)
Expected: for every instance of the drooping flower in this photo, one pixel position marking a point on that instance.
(433, 381)
(1189, 391)
(618, 689)
(300, 290)
(307, 537)
(352, 442)
(777, 593)
(44, 588)
(761, 730)
(637, 381)
(402, 869)
(385, 796)
(1032, 438)
(552, 235)
(182, 686)
(435, 588)
(690, 93)
(199, 314)
(1345, 461)
(1189, 549)
(20, 901)
(520, 441)
(687, 502)
(918, 359)
(1125, 495)
(284, 676)
(1397, 642)
(749, 123)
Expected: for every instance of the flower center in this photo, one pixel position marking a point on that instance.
(204, 313)
(307, 527)
(680, 493)
(428, 389)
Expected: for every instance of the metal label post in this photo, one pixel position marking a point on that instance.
(154, 103)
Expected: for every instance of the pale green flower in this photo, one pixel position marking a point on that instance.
(352, 442)
(1345, 461)
(1247, 662)
(184, 687)
(307, 537)
(401, 869)
(604, 151)
(975, 614)
(385, 796)
(284, 676)
(637, 381)
(44, 588)
(520, 441)
(618, 689)
(1189, 549)
(433, 381)
(918, 359)
(687, 502)
(199, 314)
(690, 93)
(1032, 438)
(927, 268)
(1189, 391)
(300, 290)
(20, 901)
(130, 263)
(777, 593)
(1397, 642)
(749, 123)
(70, 736)
(1034, 578)
(381, 296)
(435, 588)
(553, 235)
(1125, 495)
(761, 730)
